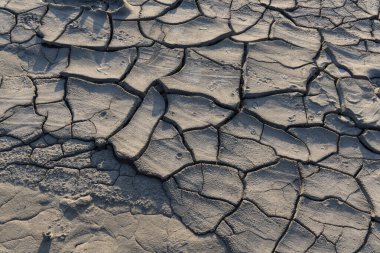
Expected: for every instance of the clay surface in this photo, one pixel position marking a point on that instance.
(189, 126)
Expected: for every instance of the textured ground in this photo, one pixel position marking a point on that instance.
(190, 126)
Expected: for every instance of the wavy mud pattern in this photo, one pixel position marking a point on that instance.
(190, 126)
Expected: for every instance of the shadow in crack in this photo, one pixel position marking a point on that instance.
(45, 245)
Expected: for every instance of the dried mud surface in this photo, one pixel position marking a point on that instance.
(190, 126)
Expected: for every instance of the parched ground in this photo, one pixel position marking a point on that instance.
(176, 126)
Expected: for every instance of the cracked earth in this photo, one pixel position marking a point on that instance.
(190, 126)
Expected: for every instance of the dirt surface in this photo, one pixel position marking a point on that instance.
(189, 126)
